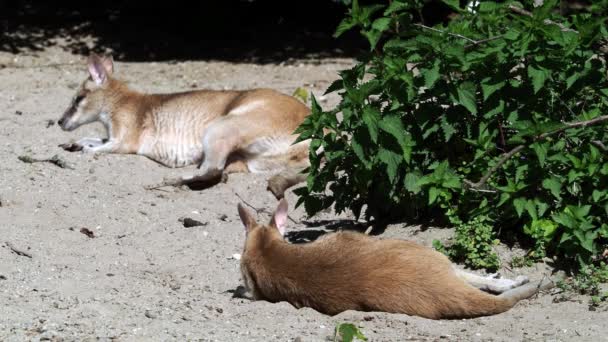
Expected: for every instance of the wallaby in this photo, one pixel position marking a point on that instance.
(224, 131)
(352, 271)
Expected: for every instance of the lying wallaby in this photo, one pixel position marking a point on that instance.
(224, 131)
(351, 271)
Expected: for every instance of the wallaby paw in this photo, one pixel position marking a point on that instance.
(276, 185)
(504, 284)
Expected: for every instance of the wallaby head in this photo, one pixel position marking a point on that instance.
(276, 225)
(257, 237)
(90, 100)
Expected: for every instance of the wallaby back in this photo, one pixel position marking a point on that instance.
(350, 271)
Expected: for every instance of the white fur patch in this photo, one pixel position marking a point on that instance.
(246, 108)
(269, 146)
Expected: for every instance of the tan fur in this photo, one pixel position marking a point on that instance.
(351, 271)
(252, 129)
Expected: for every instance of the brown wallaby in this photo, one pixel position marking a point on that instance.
(352, 271)
(224, 131)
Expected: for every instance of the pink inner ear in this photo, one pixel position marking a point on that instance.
(97, 70)
(280, 216)
(108, 64)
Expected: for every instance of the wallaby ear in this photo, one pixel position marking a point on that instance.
(246, 217)
(97, 69)
(108, 64)
(279, 219)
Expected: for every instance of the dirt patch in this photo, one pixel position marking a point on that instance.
(137, 273)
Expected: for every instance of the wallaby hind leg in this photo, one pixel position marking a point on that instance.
(491, 283)
(280, 182)
(219, 143)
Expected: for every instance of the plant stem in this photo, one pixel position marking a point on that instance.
(508, 155)
(522, 11)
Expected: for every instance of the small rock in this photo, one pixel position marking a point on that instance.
(236, 256)
(223, 217)
(188, 222)
(150, 314)
(2, 277)
(219, 310)
(49, 123)
(87, 232)
(18, 112)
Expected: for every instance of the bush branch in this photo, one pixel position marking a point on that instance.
(522, 11)
(516, 149)
(445, 32)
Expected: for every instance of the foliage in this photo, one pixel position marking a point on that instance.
(588, 281)
(495, 114)
(301, 94)
(347, 332)
(473, 245)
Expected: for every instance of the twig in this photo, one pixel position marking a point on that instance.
(488, 174)
(17, 251)
(258, 210)
(522, 11)
(448, 33)
(472, 41)
(506, 156)
(52, 65)
(55, 160)
(479, 42)
(599, 145)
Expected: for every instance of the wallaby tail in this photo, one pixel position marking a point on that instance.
(479, 303)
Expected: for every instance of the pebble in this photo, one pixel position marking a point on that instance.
(150, 314)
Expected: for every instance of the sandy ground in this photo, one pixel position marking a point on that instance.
(144, 276)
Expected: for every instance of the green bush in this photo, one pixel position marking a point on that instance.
(499, 115)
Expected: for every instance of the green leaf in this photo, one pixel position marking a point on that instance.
(345, 25)
(538, 77)
(433, 193)
(466, 96)
(392, 125)
(381, 24)
(519, 204)
(334, 86)
(531, 209)
(455, 4)
(411, 182)
(448, 128)
(430, 75)
(396, 6)
(347, 332)
(358, 149)
(489, 87)
(597, 195)
(301, 93)
(392, 161)
(554, 185)
(541, 152)
(371, 117)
